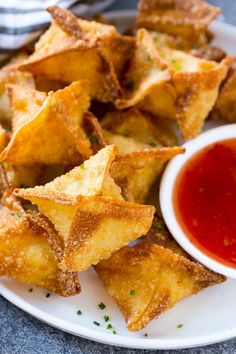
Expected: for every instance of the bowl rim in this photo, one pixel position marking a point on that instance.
(166, 195)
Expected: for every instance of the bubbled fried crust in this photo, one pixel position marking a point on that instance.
(136, 172)
(225, 107)
(158, 277)
(102, 226)
(195, 13)
(68, 283)
(22, 258)
(81, 36)
(160, 235)
(66, 20)
(94, 132)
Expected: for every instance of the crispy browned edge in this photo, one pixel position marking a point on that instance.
(203, 277)
(130, 158)
(93, 128)
(68, 283)
(203, 16)
(66, 21)
(88, 223)
(223, 108)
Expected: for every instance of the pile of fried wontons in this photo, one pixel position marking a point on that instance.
(89, 121)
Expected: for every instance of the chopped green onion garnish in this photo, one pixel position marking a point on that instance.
(82, 166)
(79, 312)
(113, 332)
(109, 326)
(48, 295)
(96, 323)
(102, 306)
(93, 138)
(152, 144)
(158, 226)
(180, 325)
(148, 58)
(106, 318)
(30, 290)
(145, 335)
(16, 214)
(5, 165)
(132, 292)
(176, 64)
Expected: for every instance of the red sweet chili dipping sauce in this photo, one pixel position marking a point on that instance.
(205, 200)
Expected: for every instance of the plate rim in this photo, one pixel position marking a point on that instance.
(120, 340)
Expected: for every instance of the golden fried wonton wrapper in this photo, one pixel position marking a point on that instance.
(146, 280)
(47, 129)
(23, 176)
(89, 213)
(187, 18)
(141, 126)
(136, 172)
(74, 49)
(87, 179)
(10, 74)
(205, 51)
(225, 107)
(30, 250)
(125, 144)
(183, 98)
(3, 138)
(94, 131)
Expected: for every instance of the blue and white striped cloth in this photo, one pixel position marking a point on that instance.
(22, 21)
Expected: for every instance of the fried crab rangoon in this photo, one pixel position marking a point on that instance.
(10, 74)
(206, 51)
(138, 164)
(147, 279)
(74, 49)
(225, 107)
(141, 126)
(50, 124)
(30, 251)
(87, 210)
(172, 84)
(137, 171)
(186, 18)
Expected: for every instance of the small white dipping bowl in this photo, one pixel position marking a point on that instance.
(167, 189)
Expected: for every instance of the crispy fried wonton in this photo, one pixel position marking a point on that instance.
(146, 280)
(182, 95)
(23, 176)
(30, 251)
(206, 51)
(141, 126)
(136, 172)
(225, 107)
(74, 49)
(94, 131)
(187, 18)
(10, 74)
(89, 213)
(48, 129)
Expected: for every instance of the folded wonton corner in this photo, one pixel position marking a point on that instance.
(186, 18)
(47, 129)
(147, 279)
(86, 208)
(30, 251)
(172, 84)
(73, 49)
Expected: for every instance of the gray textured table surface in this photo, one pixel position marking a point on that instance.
(22, 334)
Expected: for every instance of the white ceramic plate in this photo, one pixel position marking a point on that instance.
(207, 317)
